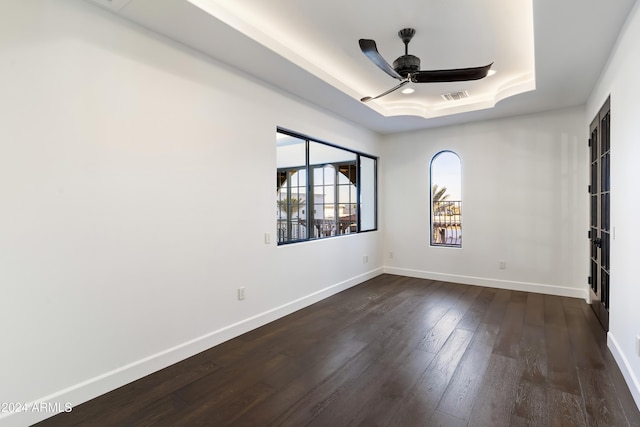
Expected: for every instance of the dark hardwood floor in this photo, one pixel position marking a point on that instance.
(393, 351)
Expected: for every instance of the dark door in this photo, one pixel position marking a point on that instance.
(599, 232)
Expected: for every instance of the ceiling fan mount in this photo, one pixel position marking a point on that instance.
(406, 34)
(406, 68)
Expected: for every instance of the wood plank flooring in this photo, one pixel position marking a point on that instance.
(393, 351)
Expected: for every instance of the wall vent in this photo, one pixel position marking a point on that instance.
(455, 96)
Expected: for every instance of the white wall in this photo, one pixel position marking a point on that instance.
(136, 185)
(620, 80)
(524, 201)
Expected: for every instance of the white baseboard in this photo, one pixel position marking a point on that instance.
(563, 291)
(625, 368)
(49, 405)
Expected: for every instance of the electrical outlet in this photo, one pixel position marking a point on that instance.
(390, 254)
(241, 294)
(502, 264)
(365, 259)
(267, 238)
(638, 345)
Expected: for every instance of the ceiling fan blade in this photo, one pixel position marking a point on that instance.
(368, 98)
(369, 48)
(454, 75)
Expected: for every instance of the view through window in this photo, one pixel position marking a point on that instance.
(322, 190)
(446, 200)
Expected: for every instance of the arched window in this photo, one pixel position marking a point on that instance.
(446, 200)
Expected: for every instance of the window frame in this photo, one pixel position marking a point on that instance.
(309, 199)
(432, 243)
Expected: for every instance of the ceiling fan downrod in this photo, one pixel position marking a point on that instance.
(406, 34)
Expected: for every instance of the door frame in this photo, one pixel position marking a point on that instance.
(600, 213)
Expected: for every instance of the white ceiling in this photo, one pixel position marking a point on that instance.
(310, 49)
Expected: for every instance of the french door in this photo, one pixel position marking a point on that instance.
(599, 232)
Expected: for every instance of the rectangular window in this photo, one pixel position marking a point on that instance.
(322, 190)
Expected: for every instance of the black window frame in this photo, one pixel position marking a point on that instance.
(308, 209)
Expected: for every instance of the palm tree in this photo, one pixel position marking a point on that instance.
(439, 198)
(290, 206)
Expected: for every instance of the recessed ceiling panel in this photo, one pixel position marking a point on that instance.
(322, 38)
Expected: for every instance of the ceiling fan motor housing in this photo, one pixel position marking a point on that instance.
(406, 64)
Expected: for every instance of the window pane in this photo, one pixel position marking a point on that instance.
(346, 194)
(367, 193)
(322, 154)
(290, 151)
(328, 194)
(291, 204)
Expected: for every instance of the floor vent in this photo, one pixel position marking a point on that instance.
(455, 96)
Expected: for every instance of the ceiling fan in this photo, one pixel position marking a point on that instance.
(407, 67)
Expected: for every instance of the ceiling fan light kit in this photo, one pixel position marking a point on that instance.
(406, 68)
